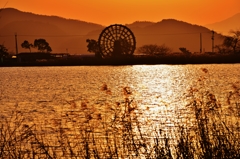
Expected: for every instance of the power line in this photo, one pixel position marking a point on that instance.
(16, 43)
(184, 33)
(213, 40)
(34, 35)
(52, 35)
(82, 35)
(4, 6)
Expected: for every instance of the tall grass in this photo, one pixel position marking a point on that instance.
(210, 129)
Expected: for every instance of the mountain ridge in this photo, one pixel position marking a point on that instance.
(70, 35)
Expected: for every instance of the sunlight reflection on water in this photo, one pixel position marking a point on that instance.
(158, 90)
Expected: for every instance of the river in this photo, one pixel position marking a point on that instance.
(77, 98)
(151, 85)
(41, 89)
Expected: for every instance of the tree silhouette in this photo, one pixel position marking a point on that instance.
(93, 47)
(27, 45)
(3, 52)
(153, 49)
(231, 44)
(42, 45)
(185, 51)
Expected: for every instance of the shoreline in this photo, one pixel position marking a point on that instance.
(92, 61)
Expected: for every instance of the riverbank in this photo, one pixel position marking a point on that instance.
(135, 60)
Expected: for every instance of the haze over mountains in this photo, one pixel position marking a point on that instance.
(223, 27)
(67, 35)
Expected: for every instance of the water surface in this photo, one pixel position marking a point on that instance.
(44, 92)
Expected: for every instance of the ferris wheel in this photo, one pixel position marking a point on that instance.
(116, 40)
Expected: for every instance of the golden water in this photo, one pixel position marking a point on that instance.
(67, 97)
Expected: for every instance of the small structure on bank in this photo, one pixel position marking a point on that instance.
(40, 56)
(116, 41)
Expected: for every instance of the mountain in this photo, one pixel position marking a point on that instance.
(56, 30)
(226, 25)
(68, 35)
(69, 25)
(175, 34)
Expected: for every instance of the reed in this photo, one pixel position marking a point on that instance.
(210, 129)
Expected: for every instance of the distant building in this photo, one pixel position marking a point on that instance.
(39, 56)
(33, 56)
(60, 55)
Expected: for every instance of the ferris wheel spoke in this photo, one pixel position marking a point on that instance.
(126, 34)
(113, 32)
(116, 32)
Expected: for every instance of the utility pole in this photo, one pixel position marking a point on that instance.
(200, 42)
(213, 40)
(16, 43)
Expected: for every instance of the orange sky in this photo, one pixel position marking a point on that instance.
(108, 12)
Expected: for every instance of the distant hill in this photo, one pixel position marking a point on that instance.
(70, 26)
(67, 35)
(175, 34)
(226, 25)
(56, 30)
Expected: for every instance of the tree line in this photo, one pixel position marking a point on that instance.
(231, 44)
(41, 44)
